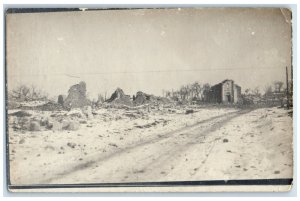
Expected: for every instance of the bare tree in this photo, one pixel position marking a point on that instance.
(247, 91)
(205, 90)
(25, 93)
(168, 94)
(189, 92)
(20, 93)
(196, 87)
(268, 90)
(182, 92)
(256, 91)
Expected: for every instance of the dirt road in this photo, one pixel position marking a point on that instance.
(163, 158)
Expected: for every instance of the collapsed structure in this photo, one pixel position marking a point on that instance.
(142, 98)
(119, 97)
(76, 97)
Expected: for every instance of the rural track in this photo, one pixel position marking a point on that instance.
(154, 159)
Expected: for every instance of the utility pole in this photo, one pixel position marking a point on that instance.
(287, 88)
(292, 85)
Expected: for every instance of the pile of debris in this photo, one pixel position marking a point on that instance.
(50, 106)
(120, 98)
(25, 121)
(142, 98)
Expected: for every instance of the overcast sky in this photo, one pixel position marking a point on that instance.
(148, 50)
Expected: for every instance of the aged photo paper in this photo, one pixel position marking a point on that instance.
(149, 100)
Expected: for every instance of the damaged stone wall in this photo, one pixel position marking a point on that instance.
(76, 97)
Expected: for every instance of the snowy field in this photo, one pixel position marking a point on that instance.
(141, 145)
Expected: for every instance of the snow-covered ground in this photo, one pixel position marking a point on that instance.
(121, 145)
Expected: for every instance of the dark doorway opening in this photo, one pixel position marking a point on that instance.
(228, 97)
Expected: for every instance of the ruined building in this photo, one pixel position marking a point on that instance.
(225, 92)
(120, 98)
(76, 97)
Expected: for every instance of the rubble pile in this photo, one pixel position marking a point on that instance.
(50, 106)
(120, 98)
(142, 98)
